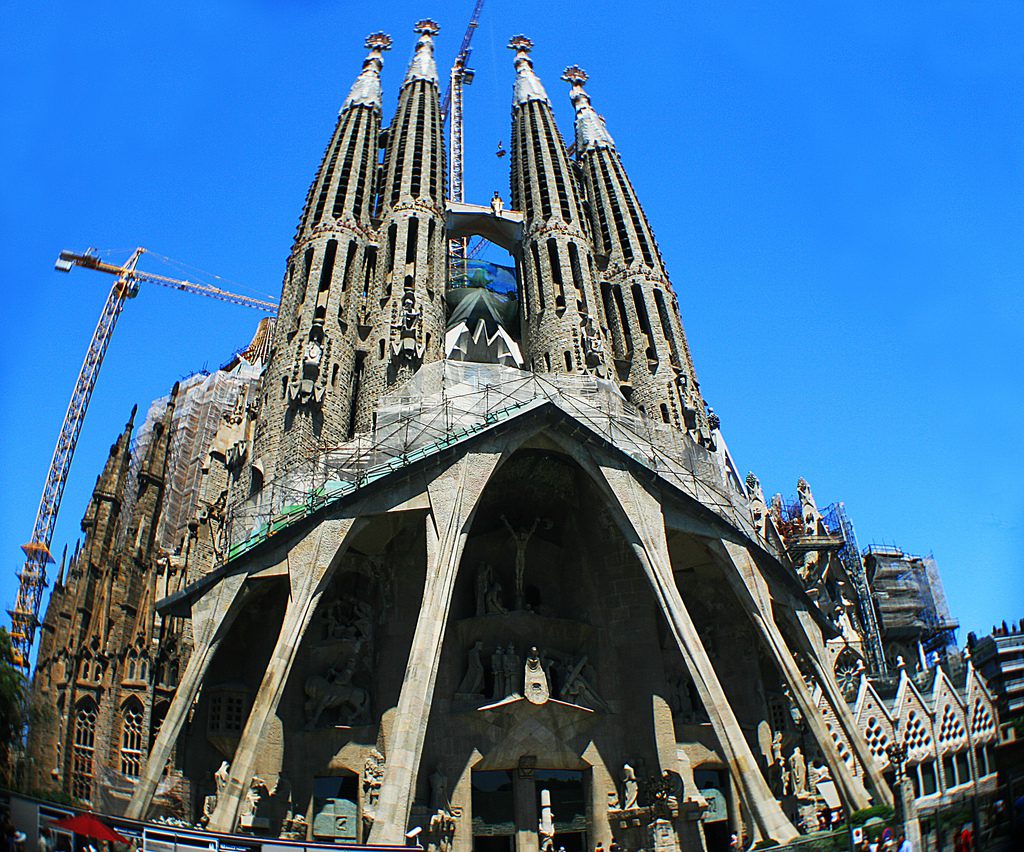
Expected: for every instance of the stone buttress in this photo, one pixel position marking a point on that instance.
(651, 355)
(561, 313)
(312, 378)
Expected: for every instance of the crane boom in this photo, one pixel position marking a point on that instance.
(32, 577)
(461, 75)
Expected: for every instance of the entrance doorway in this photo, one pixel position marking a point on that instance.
(568, 806)
(494, 825)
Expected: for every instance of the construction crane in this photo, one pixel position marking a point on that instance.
(461, 75)
(32, 577)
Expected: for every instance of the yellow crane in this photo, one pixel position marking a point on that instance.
(32, 577)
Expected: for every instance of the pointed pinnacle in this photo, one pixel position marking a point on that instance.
(427, 27)
(575, 76)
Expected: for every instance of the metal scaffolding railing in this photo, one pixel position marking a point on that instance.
(448, 402)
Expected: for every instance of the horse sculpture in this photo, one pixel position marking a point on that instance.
(322, 694)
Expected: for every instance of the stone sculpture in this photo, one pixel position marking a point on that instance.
(473, 682)
(493, 604)
(484, 578)
(630, 788)
(798, 772)
(521, 539)
(325, 694)
(546, 824)
(512, 668)
(535, 680)
(373, 775)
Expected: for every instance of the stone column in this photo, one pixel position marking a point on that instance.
(311, 564)
(212, 617)
(453, 497)
(750, 588)
(808, 632)
(642, 523)
(524, 794)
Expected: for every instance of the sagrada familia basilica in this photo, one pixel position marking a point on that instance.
(432, 559)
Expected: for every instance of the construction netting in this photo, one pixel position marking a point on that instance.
(448, 402)
(202, 403)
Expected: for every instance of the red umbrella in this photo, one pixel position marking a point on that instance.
(90, 826)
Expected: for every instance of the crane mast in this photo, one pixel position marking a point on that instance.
(32, 577)
(451, 107)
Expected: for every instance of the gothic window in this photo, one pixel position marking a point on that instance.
(84, 746)
(85, 670)
(130, 668)
(982, 724)
(131, 738)
(877, 739)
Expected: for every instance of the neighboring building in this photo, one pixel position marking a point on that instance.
(482, 564)
(1000, 659)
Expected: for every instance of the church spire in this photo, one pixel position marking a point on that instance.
(652, 356)
(423, 66)
(100, 520)
(315, 360)
(406, 310)
(563, 325)
(366, 90)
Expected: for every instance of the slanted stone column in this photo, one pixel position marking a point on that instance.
(750, 588)
(642, 523)
(453, 498)
(212, 617)
(311, 565)
(807, 632)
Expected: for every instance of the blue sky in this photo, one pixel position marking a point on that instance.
(837, 192)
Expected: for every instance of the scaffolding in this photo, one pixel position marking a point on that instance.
(838, 522)
(447, 403)
(912, 604)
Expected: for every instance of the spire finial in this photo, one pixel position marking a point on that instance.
(366, 90)
(575, 76)
(591, 132)
(527, 86)
(377, 42)
(422, 66)
(520, 44)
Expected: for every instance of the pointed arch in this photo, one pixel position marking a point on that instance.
(132, 714)
(83, 749)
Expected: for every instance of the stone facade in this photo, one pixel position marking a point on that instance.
(532, 607)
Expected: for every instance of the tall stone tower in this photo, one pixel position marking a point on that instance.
(561, 311)
(312, 381)
(651, 356)
(407, 303)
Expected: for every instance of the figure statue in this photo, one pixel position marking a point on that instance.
(546, 824)
(332, 693)
(672, 783)
(257, 789)
(407, 345)
(305, 390)
(798, 772)
(593, 348)
(513, 666)
(521, 539)
(577, 688)
(497, 205)
(498, 671)
(221, 776)
(630, 788)
(493, 604)
(473, 682)
(373, 775)
(535, 680)
(484, 575)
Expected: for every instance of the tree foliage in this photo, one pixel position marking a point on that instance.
(12, 707)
